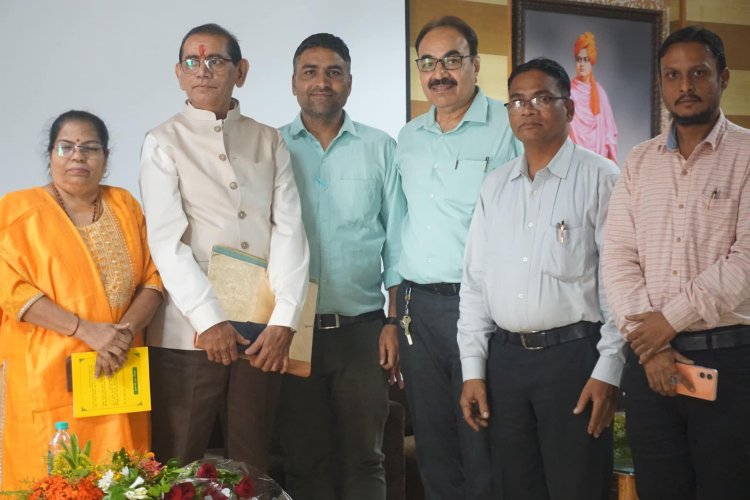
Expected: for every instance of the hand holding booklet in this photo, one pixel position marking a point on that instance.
(240, 281)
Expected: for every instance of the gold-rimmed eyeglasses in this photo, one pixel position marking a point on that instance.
(213, 64)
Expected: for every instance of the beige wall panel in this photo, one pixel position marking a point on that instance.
(742, 121)
(495, 2)
(736, 98)
(415, 87)
(719, 11)
(736, 38)
(674, 10)
(488, 20)
(419, 108)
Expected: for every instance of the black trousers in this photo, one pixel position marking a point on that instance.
(540, 450)
(454, 461)
(686, 448)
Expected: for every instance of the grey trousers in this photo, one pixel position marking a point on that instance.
(331, 424)
(188, 391)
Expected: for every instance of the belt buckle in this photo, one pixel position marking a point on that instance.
(527, 347)
(337, 323)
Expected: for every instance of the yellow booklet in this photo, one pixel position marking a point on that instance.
(240, 282)
(127, 391)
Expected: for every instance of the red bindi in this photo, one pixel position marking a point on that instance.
(202, 50)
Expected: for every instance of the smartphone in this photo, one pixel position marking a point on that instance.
(248, 330)
(704, 380)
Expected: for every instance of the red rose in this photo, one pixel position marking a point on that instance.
(207, 471)
(181, 491)
(244, 488)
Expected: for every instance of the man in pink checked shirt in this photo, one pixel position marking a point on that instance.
(676, 269)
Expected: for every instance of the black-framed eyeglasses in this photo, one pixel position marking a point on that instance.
(427, 63)
(213, 64)
(538, 102)
(65, 149)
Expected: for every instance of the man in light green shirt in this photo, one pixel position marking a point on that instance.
(352, 208)
(443, 156)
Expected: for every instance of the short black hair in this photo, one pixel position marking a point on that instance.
(697, 34)
(233, 45)
(457, 24)
(548, 67)
(326, 41)
(75, 115)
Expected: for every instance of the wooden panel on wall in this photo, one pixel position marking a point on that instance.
(723, 11)
(736, 38)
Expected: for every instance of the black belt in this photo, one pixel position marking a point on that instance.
(533, 341)
(716, 338)
(331, 321)
(444, 289)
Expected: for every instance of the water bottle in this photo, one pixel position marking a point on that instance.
(56, 444)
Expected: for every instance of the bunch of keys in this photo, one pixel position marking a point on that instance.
(406, 320)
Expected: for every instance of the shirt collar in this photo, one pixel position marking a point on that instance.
(477, 112)
(558, 166)
(297, 127)
(669, 140)
(205, 115)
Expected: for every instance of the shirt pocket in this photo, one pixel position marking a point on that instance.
(357, 201)
(256, 180)
(564, 255)
(465, 180)
(716, 225)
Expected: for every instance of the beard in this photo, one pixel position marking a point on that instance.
(701, 118)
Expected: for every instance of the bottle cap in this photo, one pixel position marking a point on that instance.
(61, 426)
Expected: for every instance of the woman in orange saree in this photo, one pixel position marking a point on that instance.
(75, 275)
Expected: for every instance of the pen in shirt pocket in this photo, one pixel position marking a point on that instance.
(714, 194)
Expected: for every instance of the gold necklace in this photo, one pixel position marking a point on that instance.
(95, 204)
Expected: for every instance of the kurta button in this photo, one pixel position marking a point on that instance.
(674, 273)
(242, 214)
(232, 185)
(222, 157)
(244, 245)
(217, 128)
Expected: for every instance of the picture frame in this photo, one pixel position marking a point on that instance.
(627, 35)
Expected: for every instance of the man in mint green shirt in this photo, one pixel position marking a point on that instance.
(443, 156)
(352, 208)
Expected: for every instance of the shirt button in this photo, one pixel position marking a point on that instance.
(679, 239)
(531, 224)
(674, 273)
(242, 214)
(684, 172)
(520, 295)
(429, 227)
(525, 259)
(432, 195)
(244, 245)
(232, 185)
(435, 166)
(217, 128)
(533, 193)
(680, 206)
(222, 157)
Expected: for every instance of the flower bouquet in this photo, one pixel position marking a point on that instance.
(137, 475)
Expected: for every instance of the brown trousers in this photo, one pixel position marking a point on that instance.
(188, 391)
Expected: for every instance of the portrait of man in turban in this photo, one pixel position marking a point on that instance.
(593, 125)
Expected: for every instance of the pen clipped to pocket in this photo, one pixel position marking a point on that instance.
(562, 232)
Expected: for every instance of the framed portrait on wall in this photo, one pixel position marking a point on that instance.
(610, 53)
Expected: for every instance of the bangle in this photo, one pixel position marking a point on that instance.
(78, 323)
(390, 320)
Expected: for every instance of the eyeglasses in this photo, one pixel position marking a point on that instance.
(538, 102)
(427, 63)
(213, 64)
(66, 149)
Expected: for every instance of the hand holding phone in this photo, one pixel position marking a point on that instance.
(250, 331)
(704, 380)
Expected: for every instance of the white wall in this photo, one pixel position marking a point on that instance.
(116, 59)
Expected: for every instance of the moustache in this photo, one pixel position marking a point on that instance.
(446, 80)
(691, 97)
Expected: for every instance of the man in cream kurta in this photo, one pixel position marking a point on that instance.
(210, 176)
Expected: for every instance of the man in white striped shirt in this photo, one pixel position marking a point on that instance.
(534, 323)
(676, 268)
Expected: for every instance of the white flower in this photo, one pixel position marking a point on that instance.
(125, 471)
(227, 492)
(138, 481)
(106, 481)
(137, 494)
